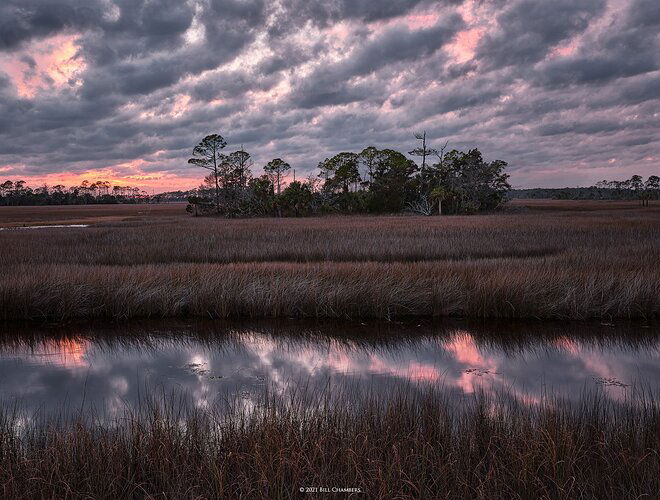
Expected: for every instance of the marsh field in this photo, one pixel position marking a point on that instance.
(151, 354)
(540, 259)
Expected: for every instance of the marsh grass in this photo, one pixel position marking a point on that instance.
(544, 264)
(411, 444)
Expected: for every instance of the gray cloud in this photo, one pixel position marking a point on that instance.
(529, 29)
(628, 46)
(305, 79)
(24, 20)
(330, 84)
(325, 13)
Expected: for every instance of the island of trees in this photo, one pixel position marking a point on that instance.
(371, 181)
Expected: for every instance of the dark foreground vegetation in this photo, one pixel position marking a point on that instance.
(414, 444)
(549, 263)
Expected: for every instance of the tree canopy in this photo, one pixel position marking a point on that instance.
(634, 188)
(372, 181)
(207, 155)
(97, 192)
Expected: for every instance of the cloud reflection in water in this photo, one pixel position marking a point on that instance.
(109, 371)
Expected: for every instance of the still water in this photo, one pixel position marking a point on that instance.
(111, 368)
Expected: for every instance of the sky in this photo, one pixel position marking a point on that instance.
(567, 92)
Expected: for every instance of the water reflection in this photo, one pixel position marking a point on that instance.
(111, 368)
(52, 226)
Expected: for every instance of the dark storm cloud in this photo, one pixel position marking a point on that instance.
(231, 84)
(589, 127)
(143, 50)
(400, 44)
(330, 84)
(640, 90)
(617, 55)
(644, 13)
(324, 13)
(527, 30)
(24, 20)
(559, 88)
(625, 48)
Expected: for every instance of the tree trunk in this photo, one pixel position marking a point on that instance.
(439, 206)
(217, 191)
(424, 152)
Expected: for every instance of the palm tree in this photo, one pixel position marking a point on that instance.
(439, 193)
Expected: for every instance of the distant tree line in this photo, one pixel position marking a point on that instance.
(371, 181)
(635, 188)
(19, 193)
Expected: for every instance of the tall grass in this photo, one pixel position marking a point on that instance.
(573, 265)
(413, 444)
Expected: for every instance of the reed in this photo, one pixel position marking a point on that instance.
(573, 264)
(416, 443)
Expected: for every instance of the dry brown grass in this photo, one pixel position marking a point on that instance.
(560, 263)
(416, 443)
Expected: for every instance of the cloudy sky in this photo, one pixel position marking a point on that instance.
(566, 91)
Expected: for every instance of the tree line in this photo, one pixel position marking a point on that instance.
(19, 193)
(635, 188)
(371, 181)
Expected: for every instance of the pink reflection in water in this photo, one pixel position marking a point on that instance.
(465, 351)
(411, 370)
(69, 353)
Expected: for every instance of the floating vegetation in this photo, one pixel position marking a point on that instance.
(610, 382)
(480, 372)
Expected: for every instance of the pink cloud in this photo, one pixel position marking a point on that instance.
(465, 44)
(56, 63)
(423, 20)
(564, 50)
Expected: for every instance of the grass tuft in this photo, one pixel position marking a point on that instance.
(412, 444)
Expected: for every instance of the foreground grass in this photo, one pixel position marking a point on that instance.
(574, 264)
(415, 444)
